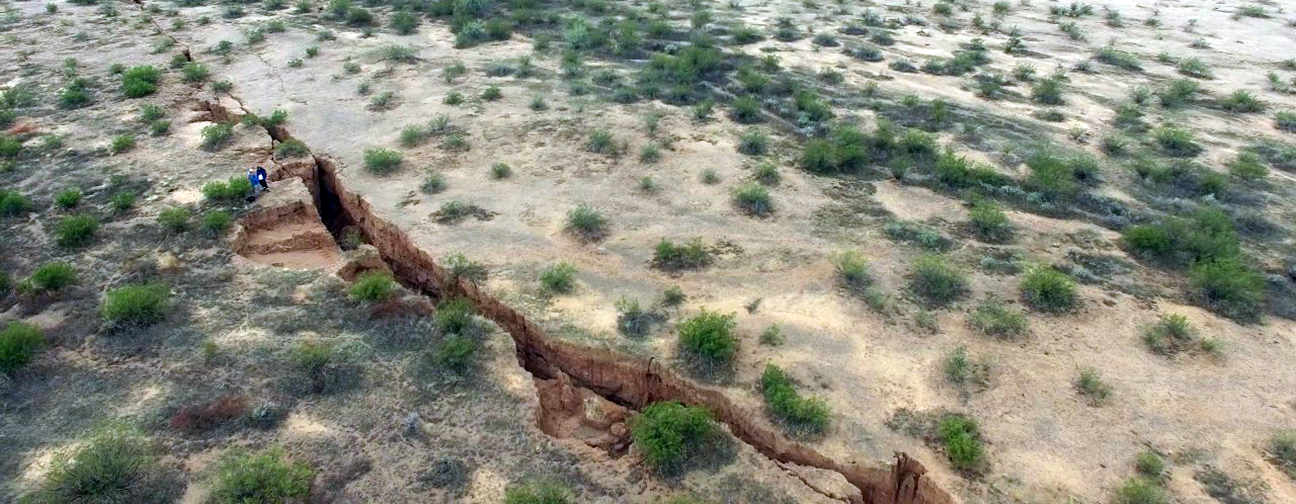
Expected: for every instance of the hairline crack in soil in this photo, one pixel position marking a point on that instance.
(636, 382)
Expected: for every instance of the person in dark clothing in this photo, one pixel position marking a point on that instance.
(261, 178)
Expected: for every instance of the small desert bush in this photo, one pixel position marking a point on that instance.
(1047, 91)
(853, 271)
(936, 281)
(216, 222)
(1118, 58)
(587, 223)
(403, 22)
(381, 161)
(227, 192)
(753, 199)
(500, 171)
(455, 353)
(76, 230)
(140, 81)
(266, 476)
(538, 492)
(691, 255)
(753, 142)
(996, 318)
(373, 286)
(709, 336)
(1170, 335)
(216, 136)
(51, 277)
(136, 305)
(1176, 141)
(1178, 93)
(1091, 385)
(291, 148)
(1248, 166)
(962, 441)
(12, 203)
(1242, 101)
(1282, 447)
(668, 434)
(174, 219)
(460, 266)
(1230, 286)
(1139, 491)
(195, 72)
(454, 316)
(68, 198)
(601, 141)
(121, 143)
(1195, 67)
(112, 466)
(809, 414)
(1049, 290)
(19, 343)
(1285, 121)
(560, 278)
(1150, 464)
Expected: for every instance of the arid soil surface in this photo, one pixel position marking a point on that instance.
(390, 426)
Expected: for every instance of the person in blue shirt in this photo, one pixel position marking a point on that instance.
(261, 178)
(256, 185)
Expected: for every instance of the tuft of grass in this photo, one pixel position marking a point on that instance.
(990, 223)
(454, 316)
(918, 234)
(455, 353)
(492, 93)
(1049, 290)
(1149, 464)
(1178, 93)
(1248, 166)
(709, 337)
(111, 466)
(538, 492)
(13, 204)
(1282, 449)
(19, 344)
(1176, 142)
(265, 476)
(1242, 101)
(121, 143)
(691, 255)
(51, 277)
(1195, 67)
(807, 414)
(753, 142)
(1119, 58)
(1048, 91)
(668, 434)
(559, 278)
(380, 161)
(216, 136)
(136, 305)
(1230, 286)
(996, 318)
(76, 230)
(753, 199)
(174, 219)
(372, 287)
(602, 142)
(587, 223)
(195, 72)
(771, 336)
(1092, 386)
(291, 148)
(1170, 335)
(500, 171)
(936, 281)
(1285, 121)
(853, 271)
(216, 222)
(68, 198)
(1139, 491)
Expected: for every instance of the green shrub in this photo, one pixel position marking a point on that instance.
(216, 222)
(1230, 287)
(262, 477)
(709, 336)
(112, 466)
(68, 198)
(1248, 166)
(772, 336)
(500, 171)
(1208, 234)
(1092, 385)
(753, 142)
(587, 223)
(291, 148)
(454, 315)
(1282, 447)
(990, 223)
(996, 318)
(538, 492)
(753, 199)
(853, 271)
(1195, 67)
(1178, 93)
(809, 414)
(1150, 465)
(19, 343)
(746, 110)
(195, 72)
(1242, 101)
(1139, 491)
(601, 141)
(76, 230)
(223, 192)
(403, 22)
(121, 143)
(1047, 91)
(767, 174)
(560, 277)
(1176, 142)
(373, 286)
(691, 255)
(1049, 290)
(455, 353)
(1170, 335)
(136, 305)
(1118, 58)
(216, 136)
(140, 81)
(52, 276)
(668, 434)
(936, 281)
(918, 234)
(961, 438)
(122, 201)
(9, 147)
(381, 161)
(1286, 121)
(13, 204)
(492, 93)
(160, 127)
(174, 219)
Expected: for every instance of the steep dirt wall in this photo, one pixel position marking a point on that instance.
(631, 381)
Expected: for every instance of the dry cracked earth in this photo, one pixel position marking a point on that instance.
(891, 252)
